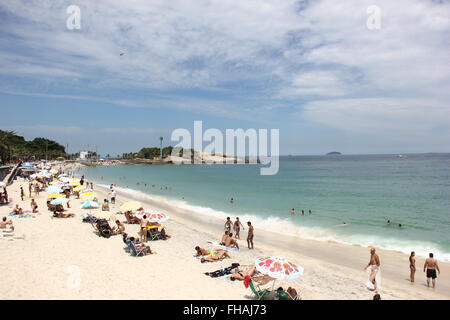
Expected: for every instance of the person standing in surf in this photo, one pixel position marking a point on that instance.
(293, 211)
(237, 228)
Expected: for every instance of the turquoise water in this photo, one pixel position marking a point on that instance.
(364, 191)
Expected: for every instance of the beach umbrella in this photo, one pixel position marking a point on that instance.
(90, 205)
(131, 206)
(2, 184)
(53, 171)
(55, 182)
(155, 217)
(60, 201)
(105, 215)
(64, 179)
(55, 195)
(88, 195)
(278, 268)
(62, 175)
(79, 188)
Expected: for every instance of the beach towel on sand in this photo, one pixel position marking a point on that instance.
(216, 244)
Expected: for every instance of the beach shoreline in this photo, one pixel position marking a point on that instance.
(53, 247)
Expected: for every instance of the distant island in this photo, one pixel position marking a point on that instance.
(333, 153)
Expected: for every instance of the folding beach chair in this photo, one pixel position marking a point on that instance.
(258, 292)
(153, 234)
(134, 251)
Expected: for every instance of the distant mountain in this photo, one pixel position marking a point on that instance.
(333, 153)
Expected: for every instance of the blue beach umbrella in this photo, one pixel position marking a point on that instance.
(60, 201)
(90, 205)
(62, 175)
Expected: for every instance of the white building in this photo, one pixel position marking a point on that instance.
(83, 155)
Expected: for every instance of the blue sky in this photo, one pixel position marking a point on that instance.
(309, 68)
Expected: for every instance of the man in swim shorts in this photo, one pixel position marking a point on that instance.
(237, 228)
(250, 235)
(430, 267)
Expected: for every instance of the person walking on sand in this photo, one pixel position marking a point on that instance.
(250, 235)
(112, 195)
(430, 267)
(237, 228)
(22, 193)
(374, 265)
(412, 266)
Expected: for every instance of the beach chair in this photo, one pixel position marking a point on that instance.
(130, 219)
(258, 292)
(154, 234)
(134, 251)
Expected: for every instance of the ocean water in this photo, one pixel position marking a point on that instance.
(363, 190)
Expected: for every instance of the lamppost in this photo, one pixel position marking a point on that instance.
(161, 153)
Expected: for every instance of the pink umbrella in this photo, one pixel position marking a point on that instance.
(278, 268)
(154, 217)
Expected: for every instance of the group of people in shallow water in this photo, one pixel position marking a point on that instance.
(293, 212)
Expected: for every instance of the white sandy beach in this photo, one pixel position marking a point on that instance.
(45, 263)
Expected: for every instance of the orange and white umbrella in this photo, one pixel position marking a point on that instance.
(154, 217)
(278, 268)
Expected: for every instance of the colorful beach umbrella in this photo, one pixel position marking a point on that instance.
(60, 201)
(131, 206)
(278, 268)
(55, 196)
(104, 215)
(79, 188)
(90, 205)
(155, 217)
(62, 175)
(88, 195)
